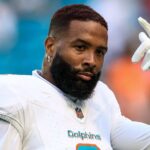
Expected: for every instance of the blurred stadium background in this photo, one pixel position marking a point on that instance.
(24, 26)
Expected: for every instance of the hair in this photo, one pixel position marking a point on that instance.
(61, 19)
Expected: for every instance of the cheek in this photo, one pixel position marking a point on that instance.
(71, 57)
(99, 64)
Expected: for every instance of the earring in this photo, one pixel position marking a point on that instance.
(49, 59)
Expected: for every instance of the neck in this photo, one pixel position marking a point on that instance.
(47, 76)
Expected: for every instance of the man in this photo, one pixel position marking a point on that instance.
(64, 106)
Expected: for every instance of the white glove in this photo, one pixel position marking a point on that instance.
(143, 51)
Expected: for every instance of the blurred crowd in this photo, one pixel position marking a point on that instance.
(24, 26)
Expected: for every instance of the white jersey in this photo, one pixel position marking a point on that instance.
(36, 115)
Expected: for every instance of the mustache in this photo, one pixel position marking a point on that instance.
(87, 69)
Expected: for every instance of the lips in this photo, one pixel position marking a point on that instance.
(85, 75)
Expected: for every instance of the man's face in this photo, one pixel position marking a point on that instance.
(78, 58)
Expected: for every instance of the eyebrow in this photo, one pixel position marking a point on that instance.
(87, 43)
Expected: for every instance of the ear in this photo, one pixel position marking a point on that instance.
(49, 45)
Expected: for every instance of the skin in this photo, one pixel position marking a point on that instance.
(83, 44)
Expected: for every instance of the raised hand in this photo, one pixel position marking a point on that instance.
(143, 51)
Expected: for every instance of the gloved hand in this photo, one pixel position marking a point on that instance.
(143, 51)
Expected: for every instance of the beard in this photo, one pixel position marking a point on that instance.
(66, 79)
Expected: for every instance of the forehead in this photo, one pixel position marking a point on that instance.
(87, 30)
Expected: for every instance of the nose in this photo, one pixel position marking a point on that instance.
(89, 60)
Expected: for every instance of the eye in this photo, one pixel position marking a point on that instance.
(80, 47)
(100, 52)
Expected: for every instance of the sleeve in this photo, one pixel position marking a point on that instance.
(9, 137)
(127, 134)
(11, 116)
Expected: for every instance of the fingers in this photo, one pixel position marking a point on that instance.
(146, 61)
(141, 50)
(143, 37)
(139, 53)
(145, 25)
